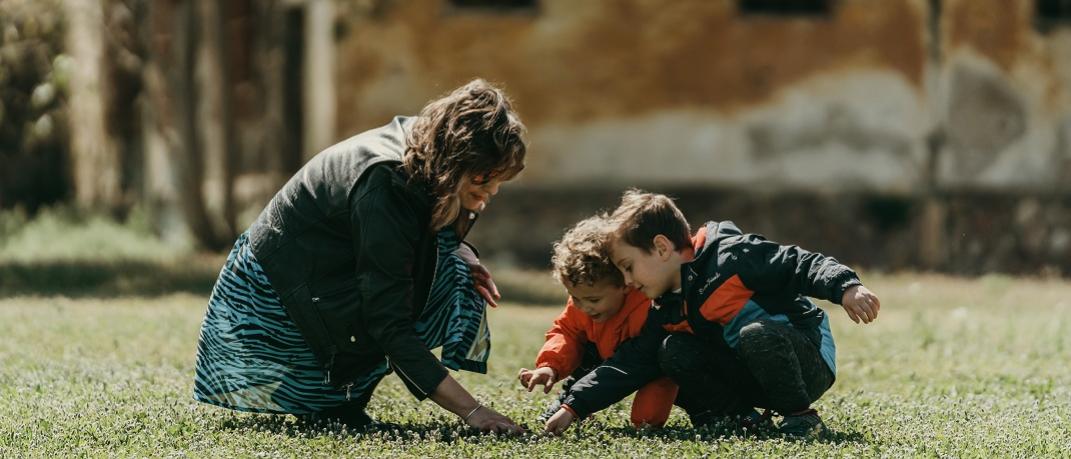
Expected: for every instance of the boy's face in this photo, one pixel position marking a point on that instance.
(600, 301)
(652, 273)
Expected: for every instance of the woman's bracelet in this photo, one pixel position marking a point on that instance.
(474, 410)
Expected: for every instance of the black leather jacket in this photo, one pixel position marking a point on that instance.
(346, 244)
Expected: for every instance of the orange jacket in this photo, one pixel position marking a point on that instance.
(562, 352)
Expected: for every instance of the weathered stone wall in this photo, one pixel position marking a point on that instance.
(1002, 98)
(895, 134)
(651, 92)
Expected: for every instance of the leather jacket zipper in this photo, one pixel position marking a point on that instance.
(434, 272)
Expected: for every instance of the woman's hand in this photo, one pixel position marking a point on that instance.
(481, 277)
(557, 424)
(542, 375)
(860, 304)
(488, 420)
(455, 399)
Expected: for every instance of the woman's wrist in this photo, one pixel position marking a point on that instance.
(472, 412)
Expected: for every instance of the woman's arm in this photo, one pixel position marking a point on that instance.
(386, 230)
(454, 398)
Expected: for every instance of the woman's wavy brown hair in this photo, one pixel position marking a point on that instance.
(470, 132)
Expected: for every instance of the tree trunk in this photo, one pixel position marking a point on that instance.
(172, 98)
(319, 76)
(216, 121)
(95, 167)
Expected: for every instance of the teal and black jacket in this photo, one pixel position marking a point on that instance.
(735, 279)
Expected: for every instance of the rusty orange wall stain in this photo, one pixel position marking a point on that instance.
(997, 29)
(577, 61)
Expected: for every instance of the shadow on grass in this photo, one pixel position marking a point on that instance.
(450, 432)
(109, 279)
(292, 426)
(713, 434)
(196, 275)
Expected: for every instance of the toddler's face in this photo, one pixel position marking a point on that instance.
(643, 271)
(600, 301)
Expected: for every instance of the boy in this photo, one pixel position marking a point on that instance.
(601, 313)
(729, 324)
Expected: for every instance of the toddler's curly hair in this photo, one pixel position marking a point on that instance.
(582, 256)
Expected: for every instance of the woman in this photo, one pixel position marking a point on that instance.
(355, 269)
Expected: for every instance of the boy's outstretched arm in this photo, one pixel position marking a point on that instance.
(560, 354)
(634, 364)
(766, 265)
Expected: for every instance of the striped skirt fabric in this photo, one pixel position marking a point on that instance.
(251, 356)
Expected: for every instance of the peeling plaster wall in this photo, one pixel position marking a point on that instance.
(960, 118)
(650, 92)
(1004, 99)
(692, 92)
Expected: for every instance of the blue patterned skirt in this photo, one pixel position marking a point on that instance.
(251, 356)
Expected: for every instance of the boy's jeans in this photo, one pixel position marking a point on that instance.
(775, 365)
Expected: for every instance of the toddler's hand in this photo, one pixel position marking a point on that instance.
(542, 375)
(860, 304)
(557, 424)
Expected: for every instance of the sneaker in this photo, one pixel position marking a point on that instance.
(754, 420)
(806, 424)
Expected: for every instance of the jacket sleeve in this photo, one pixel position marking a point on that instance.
(768, 266)
(562, 351)
(387, 231)
(634, 364)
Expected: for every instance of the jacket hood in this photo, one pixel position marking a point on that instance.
(712, 233)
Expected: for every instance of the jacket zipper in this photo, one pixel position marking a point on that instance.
(434, 272)
(330, 363)
(402, 373)
(336, 291)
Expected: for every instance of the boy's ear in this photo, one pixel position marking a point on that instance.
(663, 246)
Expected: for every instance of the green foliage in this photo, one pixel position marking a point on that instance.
(113, 377)
(65, 234)
(34, 78)
(63, 251)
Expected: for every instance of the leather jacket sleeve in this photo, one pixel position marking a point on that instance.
(386, 237)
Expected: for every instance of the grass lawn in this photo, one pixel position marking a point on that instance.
(953, 367)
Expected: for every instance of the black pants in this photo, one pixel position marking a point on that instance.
(775, 365)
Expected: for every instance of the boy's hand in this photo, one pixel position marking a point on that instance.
(542, 375)
(557, 424)
(860, 304)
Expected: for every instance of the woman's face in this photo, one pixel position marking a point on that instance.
(476, 191)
